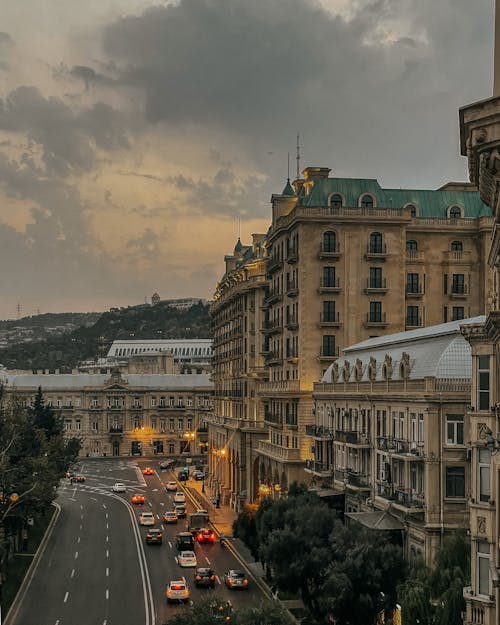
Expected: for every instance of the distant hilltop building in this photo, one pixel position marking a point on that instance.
(155, 299)
(184, 350)
(183, 303)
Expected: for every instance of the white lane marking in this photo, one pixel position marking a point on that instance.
(81, 507)
(78, 539)
(207, 559)
(107, 515)
(57, 622)
(93, 498)
(175, 558)
(81, 527)
(105, 621)
(107, 593)
(107, 526)
(72, 573)
(170, 544)
(150, 504)
(76, 555)
(107, 553)
(218, 579)
(81, 517)
(162, 527)
(104, 506)
(107, 572)
(107, 539)
(66, 596)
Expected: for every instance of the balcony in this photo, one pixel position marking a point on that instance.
(329, 354)
(292, 288)
(273, 297)
(272, 326)
(340, 475)
(457, 257)
(319, 432)
(384, 489)
(330, 252)
(330, 320)
(292, 322)
(292, 256)
(414, 292)
(352, 438)
(116, 407)
(358, 480)
(273, 417)
(137, 407)
(278, 386)
(274, 264)
(376, 252)
(275, 452)
(318, 468)
(376, 287)
(329, 286)
(376, 320)
(459, 291)
(116, 430)
(407, 497)
(414, 256)
(400, 446)
(413, 322)
(273, 358)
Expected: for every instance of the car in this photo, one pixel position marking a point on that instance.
(205, 535)
(187, 559)
(180, 511)
(184, 541)
(80, 478)
(119, 487)
(170, 517)
(164, 465)
(201, 511)
(148, 471)
(182, 476)
(177, 590)
(146, 518)
(171, 486)
(138, 499)
(204, 578)
(154, 537)
(179, 497)
(236, 579)
(198, 475)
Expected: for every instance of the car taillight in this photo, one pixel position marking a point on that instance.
(198, 578)
(245, 582)
(230, 582)
(212, 577)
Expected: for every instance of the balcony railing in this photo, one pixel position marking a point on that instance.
(329, 285)
(276, 452)
(116, 430)
(351, 437)
(278, 386)
(274, 264)
(378, 252)
(319, 431)
(401, 495)
(330, 251)
(292, 322)
(319, 468)
(400, 446)
(376, 286)
(357, 479)
(292, 256)
(329, 354)
(376, 319)
(330, 319)
(340, 475)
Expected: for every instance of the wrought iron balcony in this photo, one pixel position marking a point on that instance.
(318, 468)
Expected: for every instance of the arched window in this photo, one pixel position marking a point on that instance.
(366, 201)
(376, 243)
(457, 246)
(411, 246)
(413, 210)
(329, 241)
(336, 200)
(455, 212)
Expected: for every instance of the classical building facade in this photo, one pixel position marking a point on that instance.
(237, 422)
(118, 414)
(480, 142)
(343, 260)
(391, 433)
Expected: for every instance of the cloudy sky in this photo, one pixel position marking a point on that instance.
(134, 134)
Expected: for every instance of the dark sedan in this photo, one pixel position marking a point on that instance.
(204, 577)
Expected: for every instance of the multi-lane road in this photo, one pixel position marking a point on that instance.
(95, 567)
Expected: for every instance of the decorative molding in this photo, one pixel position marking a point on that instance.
(481, 525)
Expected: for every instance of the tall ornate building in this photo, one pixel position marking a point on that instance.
(343, 260)
(480, 142)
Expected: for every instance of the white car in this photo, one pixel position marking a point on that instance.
(119, 487)
(177, 590)
(187, 558)
(179, 497)
(171, 486)
(147, 518)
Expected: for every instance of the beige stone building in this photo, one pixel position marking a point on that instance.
(347, 260)
(480, 142)
(391, 433)
(118, 414)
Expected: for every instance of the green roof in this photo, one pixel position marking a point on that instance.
(429, 203)
(288, 190)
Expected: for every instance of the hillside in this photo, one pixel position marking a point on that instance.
(63, 352)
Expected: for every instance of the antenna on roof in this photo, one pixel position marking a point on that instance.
(239, 228)
(288, 167)
(298, 156)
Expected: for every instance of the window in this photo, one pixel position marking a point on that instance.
(67, 424)
(455, 482)
(375, 312)
(413, 210)
(411, 246)
(483, 474)
(412, 316)
(458, 283)
(336, 200)
(483, 382)
(375, 277)
(154, 423)
(454, 429)
(180, 424)
(137, 423)
(153, 402)
(458, 313)
(329, 278)
(412, 283)
(457, 246)
(94, 402)
(95, 426)
(171, 448)
(329, 242)
(376, 243)
(328, 345)
(329, 312)
(366, 201)
(483, 568)
(455, 212)
(171, 425)
(189, 424)
(78, 424)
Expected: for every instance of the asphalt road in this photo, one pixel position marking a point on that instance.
(96, 568)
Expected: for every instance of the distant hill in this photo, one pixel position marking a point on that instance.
(49, 320)
(89, 341)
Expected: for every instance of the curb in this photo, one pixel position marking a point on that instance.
(23, 588)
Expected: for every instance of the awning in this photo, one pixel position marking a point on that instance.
(376, 520)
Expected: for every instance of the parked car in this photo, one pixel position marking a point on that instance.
(177, 590)
(154, 537)
(170, 517)
(236, 579)
(204, 577)
(119, 487)
(187, 559)
(146, 518)
(184, 541)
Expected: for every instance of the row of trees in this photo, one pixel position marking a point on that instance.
(348, 575)
(34, 456)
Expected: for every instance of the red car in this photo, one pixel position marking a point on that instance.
(138, 499)
(148, 471)
(205, 535)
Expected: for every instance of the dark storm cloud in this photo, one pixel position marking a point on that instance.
(381, 89)
(67, 137)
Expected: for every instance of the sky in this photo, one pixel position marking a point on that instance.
(138, 137)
